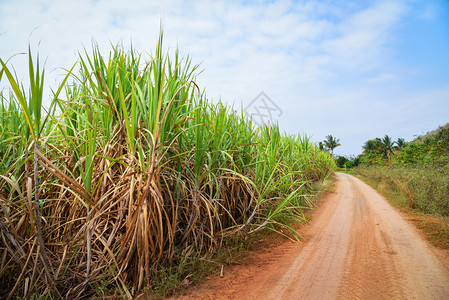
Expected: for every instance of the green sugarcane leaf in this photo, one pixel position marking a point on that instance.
(20, 98)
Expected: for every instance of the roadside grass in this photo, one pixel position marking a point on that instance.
(173, 280)
(435, 229)
(421, 192)
(424, 188)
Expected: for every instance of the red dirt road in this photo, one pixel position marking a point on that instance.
(357, 247)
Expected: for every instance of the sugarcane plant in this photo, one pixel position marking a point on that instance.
(32, 113)
(135, 169)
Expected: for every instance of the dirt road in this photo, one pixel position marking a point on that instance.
(357, 247)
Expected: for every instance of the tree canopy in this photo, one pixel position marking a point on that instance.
(331, 143)
(432, 148)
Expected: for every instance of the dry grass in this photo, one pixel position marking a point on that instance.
(436, 230)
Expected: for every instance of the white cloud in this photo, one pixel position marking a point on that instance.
(382, 77)
(362, 38)
(313, 58)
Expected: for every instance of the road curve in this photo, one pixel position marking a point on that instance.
(358, 247)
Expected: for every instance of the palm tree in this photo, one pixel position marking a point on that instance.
(400, 143)
(331, 143)
(373, 146)
(321, 145)
(387, 145)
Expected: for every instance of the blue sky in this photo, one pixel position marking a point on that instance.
(353, 69)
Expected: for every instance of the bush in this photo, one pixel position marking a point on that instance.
(347, 162)
(341, 161)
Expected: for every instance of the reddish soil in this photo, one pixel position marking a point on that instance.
(356, 247)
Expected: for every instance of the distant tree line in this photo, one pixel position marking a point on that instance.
(343, 162)
(428, 149)
(347, 162)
